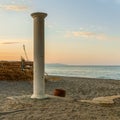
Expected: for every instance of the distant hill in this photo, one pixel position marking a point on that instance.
(55, 65)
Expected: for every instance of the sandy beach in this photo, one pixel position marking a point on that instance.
(70, 107)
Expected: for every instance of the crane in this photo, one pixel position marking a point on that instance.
(25, 52)
(25, 65)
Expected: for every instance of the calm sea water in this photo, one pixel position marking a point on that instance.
(105, 72)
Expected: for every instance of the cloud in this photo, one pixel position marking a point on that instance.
(90, 35)
(9, 42)
(80, 34)
(83, 34)
(14, 7)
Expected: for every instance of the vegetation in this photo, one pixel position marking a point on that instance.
(13, 71)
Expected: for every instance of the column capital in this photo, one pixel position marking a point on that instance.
(39, 14)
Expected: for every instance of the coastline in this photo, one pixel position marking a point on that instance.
(92, 78)
(51, 109)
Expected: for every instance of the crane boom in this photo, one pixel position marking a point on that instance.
(25, 52)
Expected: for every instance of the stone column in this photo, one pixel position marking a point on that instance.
(39, 81)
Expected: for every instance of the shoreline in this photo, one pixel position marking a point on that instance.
(82, 77)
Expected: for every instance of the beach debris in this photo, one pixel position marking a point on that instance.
(52, 78)
(104, 100)
(59, 92)
(8, 112)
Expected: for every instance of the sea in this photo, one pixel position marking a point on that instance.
(87, 71)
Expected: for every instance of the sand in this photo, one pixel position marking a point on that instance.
(69, 108)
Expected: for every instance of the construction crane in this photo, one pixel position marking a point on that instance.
(25, 52)
(25, 65)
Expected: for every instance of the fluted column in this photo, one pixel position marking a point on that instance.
(38, 82)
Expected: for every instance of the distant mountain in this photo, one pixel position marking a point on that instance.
(55, 65)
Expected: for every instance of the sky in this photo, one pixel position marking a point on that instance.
(84, 32)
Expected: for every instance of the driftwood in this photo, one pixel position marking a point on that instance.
(9, 112)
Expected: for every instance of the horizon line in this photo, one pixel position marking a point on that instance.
(65, 63)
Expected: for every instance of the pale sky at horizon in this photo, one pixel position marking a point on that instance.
(84, 32)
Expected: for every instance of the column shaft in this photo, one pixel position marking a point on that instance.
(39, 82)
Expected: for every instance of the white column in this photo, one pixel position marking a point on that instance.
(38, 82)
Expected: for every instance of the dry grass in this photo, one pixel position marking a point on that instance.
(12, 71)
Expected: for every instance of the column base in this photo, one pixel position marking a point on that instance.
(39, 96)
